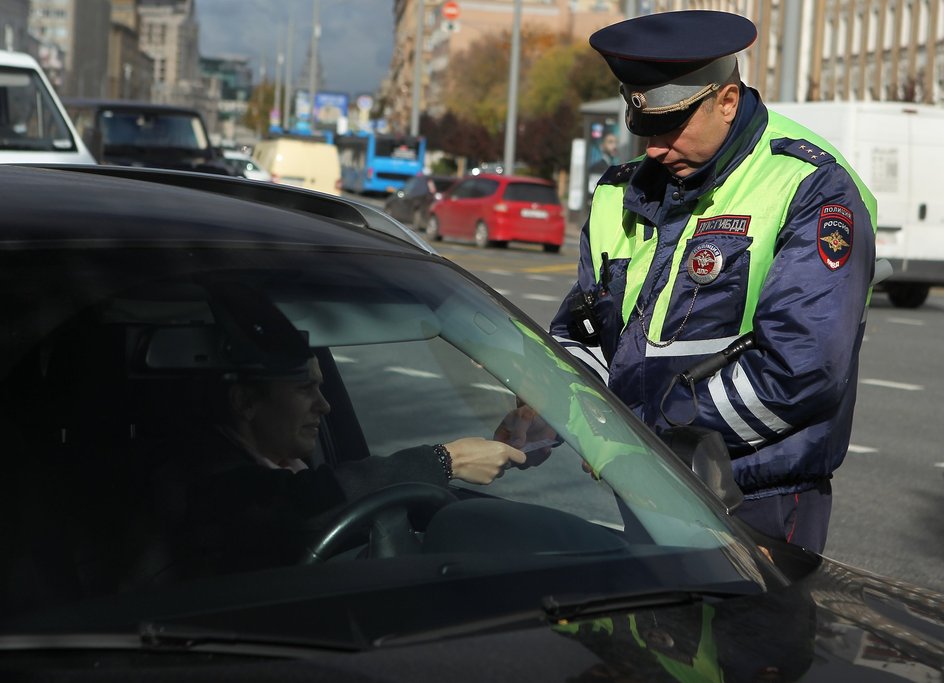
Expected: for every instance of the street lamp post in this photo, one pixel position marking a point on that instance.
(417, 69)
(511, 122)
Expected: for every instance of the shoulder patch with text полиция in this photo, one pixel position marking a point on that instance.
(834, 236)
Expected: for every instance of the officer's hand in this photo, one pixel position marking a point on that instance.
(523, 426)
(480, 461)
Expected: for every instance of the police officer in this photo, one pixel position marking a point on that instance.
(736, 221)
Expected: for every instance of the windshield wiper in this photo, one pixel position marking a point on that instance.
(569, 607)
(161, 635)
(579, 605)
(158, 636)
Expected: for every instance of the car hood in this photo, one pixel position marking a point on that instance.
(836, 624)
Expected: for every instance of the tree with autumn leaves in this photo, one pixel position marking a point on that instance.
(557, 75)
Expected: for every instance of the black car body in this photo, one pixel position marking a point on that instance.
(130, 133)
(411, 204)
(124, 296)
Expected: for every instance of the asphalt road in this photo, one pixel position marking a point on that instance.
(888, 509)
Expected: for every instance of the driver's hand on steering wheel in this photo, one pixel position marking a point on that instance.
(523, 426)
(481, 461)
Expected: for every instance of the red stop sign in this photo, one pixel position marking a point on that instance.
(450, 10)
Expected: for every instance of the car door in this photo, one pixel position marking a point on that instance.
(472, 203)
(451, 209)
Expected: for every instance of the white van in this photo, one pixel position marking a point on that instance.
(34, 126)
(307, 163)
(895, 147)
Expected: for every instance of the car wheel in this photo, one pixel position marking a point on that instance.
(906, 295)
(552, 248)
(432, 229)
(481, 235)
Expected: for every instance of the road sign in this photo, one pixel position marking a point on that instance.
(450, 10)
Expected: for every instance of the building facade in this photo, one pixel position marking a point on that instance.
(805, 49)
(76, 67)
(444, 39)
(234, 75)
(169, 35)
(14, 25)
(812, 50)
(130, 71)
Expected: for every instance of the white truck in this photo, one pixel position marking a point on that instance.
(896, 148)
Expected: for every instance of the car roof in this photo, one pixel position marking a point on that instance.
(158, 206)
(136, 105)
(17, 59)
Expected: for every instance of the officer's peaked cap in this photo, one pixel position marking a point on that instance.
(669, 61)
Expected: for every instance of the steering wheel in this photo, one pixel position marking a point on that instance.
(387, 513)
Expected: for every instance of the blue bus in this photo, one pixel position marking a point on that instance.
(378, 163)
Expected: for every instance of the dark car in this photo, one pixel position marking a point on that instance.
(411, 204)
(493, 210)
(137, 300)
(129, 133)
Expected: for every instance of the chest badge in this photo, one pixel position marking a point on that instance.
(705, 263)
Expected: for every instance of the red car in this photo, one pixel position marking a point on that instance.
(492, 210)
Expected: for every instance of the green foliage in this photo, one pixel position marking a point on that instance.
(260, 104)
(546, 86)
(557, 75)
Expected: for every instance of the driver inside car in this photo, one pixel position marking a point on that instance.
(245, 493)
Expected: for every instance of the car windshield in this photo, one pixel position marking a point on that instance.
(152, 129)
(29, 120)
(113, 361)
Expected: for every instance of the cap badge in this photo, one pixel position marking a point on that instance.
(705, 263)
(638, 100)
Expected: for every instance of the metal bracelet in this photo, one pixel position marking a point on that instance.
(445, 460)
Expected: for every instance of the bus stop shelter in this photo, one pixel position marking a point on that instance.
(599, 119)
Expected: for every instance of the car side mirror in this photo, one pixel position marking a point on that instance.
(704, 451)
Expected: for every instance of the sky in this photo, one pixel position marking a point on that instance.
(354, 49)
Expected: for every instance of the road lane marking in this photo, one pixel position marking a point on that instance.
(560, 268)
(497, 271)
(412, 372)
(493, 387)
(893, 385)
(907, 321)
(861, 449)
(540, 297)
(540, 278)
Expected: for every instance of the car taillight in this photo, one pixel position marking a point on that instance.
(501, 207)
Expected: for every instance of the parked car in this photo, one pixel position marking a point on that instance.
(411, 204)
(137, 300)
(245, 166)
(34, 126)
(492, 210)
(301, 161)
(128, 133)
